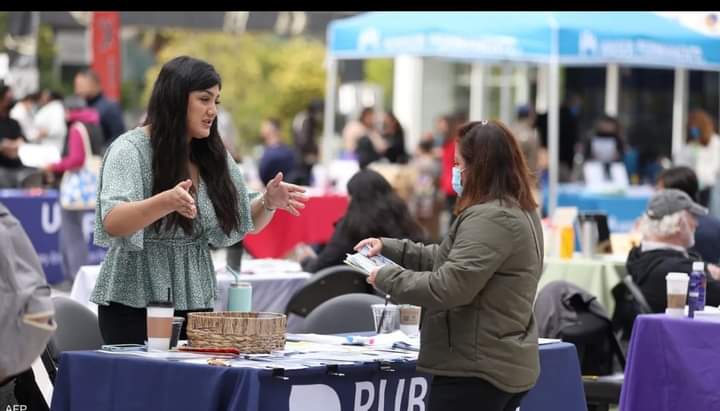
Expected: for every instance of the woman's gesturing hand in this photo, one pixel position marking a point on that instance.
(374, 243)
(288, 197)
(181, 201)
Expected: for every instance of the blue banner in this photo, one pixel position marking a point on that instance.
(39, 213)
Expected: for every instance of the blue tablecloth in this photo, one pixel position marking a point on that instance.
(672, 364)
(39, 213)
(91, 381)
(622, 209)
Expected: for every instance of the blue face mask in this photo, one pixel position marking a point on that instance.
(694, 133)
(457, 180)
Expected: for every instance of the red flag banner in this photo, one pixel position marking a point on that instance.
(106, 51)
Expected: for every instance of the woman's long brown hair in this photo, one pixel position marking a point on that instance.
(495, 168)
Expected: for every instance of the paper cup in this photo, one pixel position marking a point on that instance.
(159, 326)
(410, 319)
(677, 287)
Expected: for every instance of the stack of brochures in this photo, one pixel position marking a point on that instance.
(361, 261)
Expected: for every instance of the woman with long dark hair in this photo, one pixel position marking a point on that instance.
(477, 287)
(375, 210)
(167, 191)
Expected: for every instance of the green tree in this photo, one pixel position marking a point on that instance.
(380, 71)
(263, 75)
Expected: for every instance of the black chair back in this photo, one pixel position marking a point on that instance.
(326, 284)
(343, 314)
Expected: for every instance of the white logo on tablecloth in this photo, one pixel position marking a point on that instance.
(50, 223)
(321, 397)
(310, 397)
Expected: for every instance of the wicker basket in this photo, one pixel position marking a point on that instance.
(251, 333)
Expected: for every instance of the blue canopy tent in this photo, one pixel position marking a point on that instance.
(552, 38)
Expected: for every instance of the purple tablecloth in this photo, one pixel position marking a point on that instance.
(673, 364)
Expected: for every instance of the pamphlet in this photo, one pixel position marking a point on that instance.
(361, 261)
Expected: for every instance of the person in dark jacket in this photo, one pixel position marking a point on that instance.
(395, 135)
(277, 156)
(477, 288)
(707, 234)
(668, 229)
(87, 86)
(375, 210)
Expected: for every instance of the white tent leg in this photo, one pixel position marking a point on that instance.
(329, 114)
(541, 98)
(505, 94)
(522, 85)
(679, 110)
(478, 86)
(554, 119)
(612, 89)
(407, 97)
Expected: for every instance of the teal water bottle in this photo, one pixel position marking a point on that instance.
(240, 297)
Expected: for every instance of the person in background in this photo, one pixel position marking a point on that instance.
(477, 288)
(80, 118)
(87, 86)
(395, 137)
(361, 139)
(374, 210)
(277, 156)
(447, 163)
(50, 120)
(707, 234)
(24, 113)
(702, 153)
(425, 201)
(524, 130)
(167, 192)
(306, 127)
(12, 170)
(668, 229)
(606, 144)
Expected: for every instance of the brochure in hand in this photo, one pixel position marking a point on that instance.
(361, 261)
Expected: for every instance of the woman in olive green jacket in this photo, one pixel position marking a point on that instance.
(477, 287)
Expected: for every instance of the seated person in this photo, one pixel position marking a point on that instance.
(707, 234)
(668, 229)
(375, 210)
(605, 145)
(278, 156)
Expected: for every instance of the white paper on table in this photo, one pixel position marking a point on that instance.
(38, 155)
(543, 341)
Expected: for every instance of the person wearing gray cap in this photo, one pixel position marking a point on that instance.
(668, 229)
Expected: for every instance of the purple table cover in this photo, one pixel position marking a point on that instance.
(673, 364)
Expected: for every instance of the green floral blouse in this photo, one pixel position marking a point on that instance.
(141, 267)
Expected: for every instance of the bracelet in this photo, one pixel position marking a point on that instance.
(264, 204)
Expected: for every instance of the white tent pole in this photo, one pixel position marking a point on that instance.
(329, 114)
(541, 98)
(679, 109)
(505, 93)
(612, 89)
(408, 97)
(522, 85)
(553, 119)
(478, 85)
